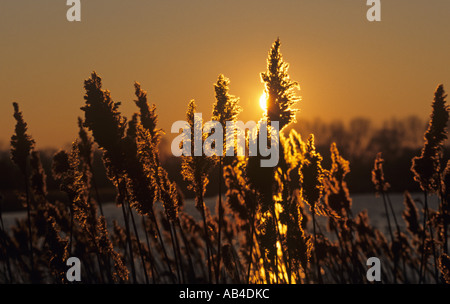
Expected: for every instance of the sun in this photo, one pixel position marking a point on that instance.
(263, 101)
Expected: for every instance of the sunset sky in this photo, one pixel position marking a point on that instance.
(346, 65)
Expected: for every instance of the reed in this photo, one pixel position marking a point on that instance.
(289, 224)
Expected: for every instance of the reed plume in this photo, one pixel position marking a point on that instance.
(313, 178)
(411, 215)
(154, 177)
(337, 196)
(279, 88)
(147, 139)
(21, 143)
(21, 146)
(444, 266)
(147, 115)
(378, 180)
(381, 186)
(226, 107)
(108, 128)
(313, 186)
(107, 125)
(427, 167)
(195, 170)
(225, 110)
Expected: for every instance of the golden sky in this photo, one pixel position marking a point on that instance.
(346, 66)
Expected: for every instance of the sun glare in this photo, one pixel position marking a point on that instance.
(263, 101)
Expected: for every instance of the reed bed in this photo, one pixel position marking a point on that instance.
(288, 224)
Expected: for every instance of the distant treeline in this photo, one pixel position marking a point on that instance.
(358, 140)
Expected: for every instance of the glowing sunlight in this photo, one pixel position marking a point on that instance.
(263, 101)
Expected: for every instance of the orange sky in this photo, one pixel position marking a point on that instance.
(346, 66)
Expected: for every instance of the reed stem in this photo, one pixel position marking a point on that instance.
(163, 247)
(422, 260)
(220, 221)
(5, 243)
(30, 236)
(319, 275)
(139, 244)
(207, 240)
(251, 244)
(130, 246)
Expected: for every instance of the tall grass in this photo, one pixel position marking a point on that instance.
(292, 223)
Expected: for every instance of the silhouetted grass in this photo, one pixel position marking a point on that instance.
(292, 223)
